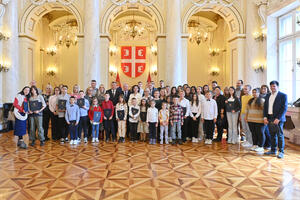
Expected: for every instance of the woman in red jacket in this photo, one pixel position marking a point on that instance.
(108, 109)
(95, 109)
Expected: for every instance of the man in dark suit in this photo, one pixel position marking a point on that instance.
(275, 108)
(126, 92)
(114, 93)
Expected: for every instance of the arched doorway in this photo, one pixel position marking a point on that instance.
(221, 57)
(113, 25)
(50, 38)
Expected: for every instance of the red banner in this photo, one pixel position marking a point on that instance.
(133, 62)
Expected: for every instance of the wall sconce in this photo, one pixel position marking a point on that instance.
(214, 52)
(4, 66)
(153, 49)
(113, 70)
(260, 36)
(51, 50)
(4, 36)
(51, 71)
(215, 71)
(153, 70)
(113, 50)
(258, 67)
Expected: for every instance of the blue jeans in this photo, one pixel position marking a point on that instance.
(73, 130)
(268, 137)
(95, 130)
(176, 125)
(277, 137)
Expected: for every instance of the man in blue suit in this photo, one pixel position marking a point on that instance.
(274, 116)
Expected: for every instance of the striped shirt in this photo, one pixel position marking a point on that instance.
(255, 114)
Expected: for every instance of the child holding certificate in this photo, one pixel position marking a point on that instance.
(96, 118)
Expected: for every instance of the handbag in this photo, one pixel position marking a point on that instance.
(11, 116)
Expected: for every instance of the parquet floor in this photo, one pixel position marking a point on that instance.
(140, 171)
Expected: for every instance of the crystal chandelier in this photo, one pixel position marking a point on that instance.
(198, 33)
(201, 3)
(41, 2)
(66, 33)
(143, 2)
(134, 28)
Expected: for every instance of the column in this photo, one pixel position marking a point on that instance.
(184, 61)
(104, 60)
(80, 43)
(174, 67)
(91, 68)
(11, 84)
(161, 57)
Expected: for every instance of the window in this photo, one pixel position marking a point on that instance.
(289, 54)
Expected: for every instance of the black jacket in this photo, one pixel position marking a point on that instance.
(235, 105)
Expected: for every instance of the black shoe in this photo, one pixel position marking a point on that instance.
(19, 142)
(173, 142)
(123, 140)
(32, 143)
(120, 140)
(47, 139)
(42, 143)
(22, 144)
(216, 140)
(180, 142)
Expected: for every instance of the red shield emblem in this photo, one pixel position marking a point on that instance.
(133, 62)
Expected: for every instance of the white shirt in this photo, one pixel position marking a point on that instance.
(195, 109)
(209, 109)
(271, 102)
(52, 103)
(152, 115)
(186, 104)
(134, 118)
(141, 91)
(201, 97)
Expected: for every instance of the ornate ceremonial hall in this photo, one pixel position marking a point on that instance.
(114, 53)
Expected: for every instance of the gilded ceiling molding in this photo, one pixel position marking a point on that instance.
(3, 3)
(262, 11)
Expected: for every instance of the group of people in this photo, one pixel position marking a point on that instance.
(165, 114)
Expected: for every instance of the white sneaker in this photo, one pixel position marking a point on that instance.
(259, 149)
(78, 141)
(85, 140)
(161, 142)
(206, 141)
(210, 142)
(196, 140)
(75, 142)
(253, 148)
(246, 143)
(93, 140)
(97, 140)
(71, 142)
(188, 139)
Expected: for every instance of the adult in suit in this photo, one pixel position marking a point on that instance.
(114, 93)
(126, 92)
(275, 108)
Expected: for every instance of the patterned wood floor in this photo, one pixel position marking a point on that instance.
(140, 171)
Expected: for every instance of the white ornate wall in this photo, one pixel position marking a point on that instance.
(242, 20)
